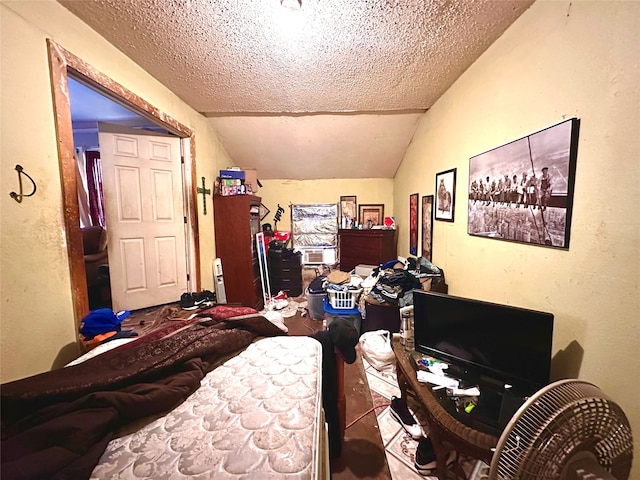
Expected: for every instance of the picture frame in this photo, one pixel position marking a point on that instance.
(445, 197)
(523, 191)
(264, 211)
(371, 215)
(427, 226)
(348, 211)
(413, 224)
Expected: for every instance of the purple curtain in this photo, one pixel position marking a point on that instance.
(94, 185)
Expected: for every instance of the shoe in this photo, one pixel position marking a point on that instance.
(403, 415)
(191, 301)
(425, 460)
(187, 301)
(205, 298)
(279, 301)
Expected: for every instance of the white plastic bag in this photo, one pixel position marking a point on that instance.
(376, 349)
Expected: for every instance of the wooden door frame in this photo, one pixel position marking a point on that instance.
(62, 62)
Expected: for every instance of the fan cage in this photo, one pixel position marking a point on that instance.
(561, 420)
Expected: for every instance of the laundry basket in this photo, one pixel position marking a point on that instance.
(343, 300)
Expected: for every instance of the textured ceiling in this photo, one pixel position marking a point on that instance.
(331, 89)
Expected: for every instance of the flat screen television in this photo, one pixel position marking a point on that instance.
(481, 341)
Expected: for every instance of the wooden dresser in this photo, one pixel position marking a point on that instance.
(368, 247)
(236, 221)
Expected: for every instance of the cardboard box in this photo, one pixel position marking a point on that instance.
(363, 270)
(228, 190)
(233, 174)
(251, 178)
(227, 182)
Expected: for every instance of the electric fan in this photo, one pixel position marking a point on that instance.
(569, 430)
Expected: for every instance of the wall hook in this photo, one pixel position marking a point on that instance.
(19, 196)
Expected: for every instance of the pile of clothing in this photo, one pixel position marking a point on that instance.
(103, 325)
(393, 282)
(393, 287)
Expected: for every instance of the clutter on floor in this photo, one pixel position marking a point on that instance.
(102, 325)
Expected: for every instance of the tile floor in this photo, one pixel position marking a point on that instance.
(400, 448)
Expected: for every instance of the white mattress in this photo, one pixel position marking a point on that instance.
(259, 415)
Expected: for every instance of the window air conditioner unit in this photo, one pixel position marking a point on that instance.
(317, 256)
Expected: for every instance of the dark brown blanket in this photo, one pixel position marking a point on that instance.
(56, 425)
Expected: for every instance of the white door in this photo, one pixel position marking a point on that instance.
(142, 186)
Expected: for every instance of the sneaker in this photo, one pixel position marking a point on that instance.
(425, 461)
(403, 415)
(279, 302)
(204, 298)
(191, 301)
(187, 302)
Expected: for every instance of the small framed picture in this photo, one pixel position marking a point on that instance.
(264, 211)
(371, 215)
(348, 211)
(413, 224)
(427, 226)
(445, 195)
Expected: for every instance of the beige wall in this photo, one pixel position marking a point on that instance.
(559, 60)
(291, 192)
(37, 330)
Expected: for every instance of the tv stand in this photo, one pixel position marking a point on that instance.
(448, 433)
(495, 406)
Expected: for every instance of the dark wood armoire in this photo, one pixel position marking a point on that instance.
(236, 221)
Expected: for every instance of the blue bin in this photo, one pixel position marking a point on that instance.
(352, 314)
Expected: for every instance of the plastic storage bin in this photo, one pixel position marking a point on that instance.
(343, 300)
(315, 303)
(352, 315)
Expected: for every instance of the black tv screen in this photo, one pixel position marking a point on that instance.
(501, 343)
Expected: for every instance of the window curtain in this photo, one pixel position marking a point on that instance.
(94, 188)
(83, 194)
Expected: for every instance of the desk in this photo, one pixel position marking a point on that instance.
(447, 433)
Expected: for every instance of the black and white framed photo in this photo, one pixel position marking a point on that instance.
(523, 191)
(427, 226)
(445, 195)
(413, 224)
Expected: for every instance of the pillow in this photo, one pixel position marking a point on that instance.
(222, 312)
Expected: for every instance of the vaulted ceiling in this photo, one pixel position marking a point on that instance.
(305, 89)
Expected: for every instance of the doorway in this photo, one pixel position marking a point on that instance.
(64, 64)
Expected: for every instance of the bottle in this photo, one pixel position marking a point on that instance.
(406, 327)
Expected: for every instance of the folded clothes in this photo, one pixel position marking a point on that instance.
(338, 277)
